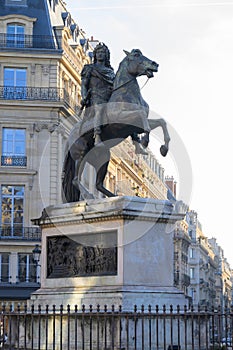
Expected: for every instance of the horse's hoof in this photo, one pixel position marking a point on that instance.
(163, 150)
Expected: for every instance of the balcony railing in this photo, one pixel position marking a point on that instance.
(23, 41)
(18, 232)
(19, 161)
(37, 94)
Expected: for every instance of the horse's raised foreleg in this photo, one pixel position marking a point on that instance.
(155, 123)
(164, 148)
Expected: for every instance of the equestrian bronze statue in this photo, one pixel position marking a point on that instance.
(113, 110)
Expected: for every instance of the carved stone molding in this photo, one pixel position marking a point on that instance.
(45, 69)
(51, 127)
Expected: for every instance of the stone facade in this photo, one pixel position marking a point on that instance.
(40, 64)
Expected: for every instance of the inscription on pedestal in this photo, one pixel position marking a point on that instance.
(83, 255)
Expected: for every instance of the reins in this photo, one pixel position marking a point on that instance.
(129, 81)
(144, 84)
(120, 86)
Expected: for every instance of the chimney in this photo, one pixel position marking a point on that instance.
(171, 184)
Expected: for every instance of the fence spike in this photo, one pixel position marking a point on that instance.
(105, 308)
(90, 307)
(98, 308)
(83, 308)
(149, 308)
(61, 308)
(76, 308)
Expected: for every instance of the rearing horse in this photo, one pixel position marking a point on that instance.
(126, 114)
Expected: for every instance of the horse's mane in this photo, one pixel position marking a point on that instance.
(121, 64)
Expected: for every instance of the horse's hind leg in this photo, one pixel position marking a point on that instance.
(79, 167)
(100, 176)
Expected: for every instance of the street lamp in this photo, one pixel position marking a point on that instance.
(36, 254)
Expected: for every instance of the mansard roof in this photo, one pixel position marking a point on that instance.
(49, 13)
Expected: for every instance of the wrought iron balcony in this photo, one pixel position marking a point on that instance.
(9, 160)
(18, 232)
(37, 94)
(24, 41)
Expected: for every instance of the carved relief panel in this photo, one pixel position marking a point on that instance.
(82, 255)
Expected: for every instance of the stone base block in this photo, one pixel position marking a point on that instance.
(110, 251)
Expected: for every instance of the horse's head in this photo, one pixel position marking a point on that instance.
(139, 64)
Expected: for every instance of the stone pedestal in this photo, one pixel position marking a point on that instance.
(110, 251)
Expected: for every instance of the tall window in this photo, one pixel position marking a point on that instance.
(12, 204)
(4, 267)
(192, 272)
(13, 147)
(15, 35)
(15, 81)
(192, 253)
(26, 268)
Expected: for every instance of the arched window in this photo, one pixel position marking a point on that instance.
(15, 35)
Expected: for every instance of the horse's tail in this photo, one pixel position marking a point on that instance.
(69, 192)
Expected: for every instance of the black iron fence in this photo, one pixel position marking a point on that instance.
(151, 328)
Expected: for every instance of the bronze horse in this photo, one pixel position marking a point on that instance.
(126, 114)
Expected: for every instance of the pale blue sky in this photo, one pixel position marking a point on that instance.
(192, 40)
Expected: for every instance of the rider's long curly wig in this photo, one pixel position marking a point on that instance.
(107, 54)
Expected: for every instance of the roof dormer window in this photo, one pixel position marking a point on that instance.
(15, 35)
